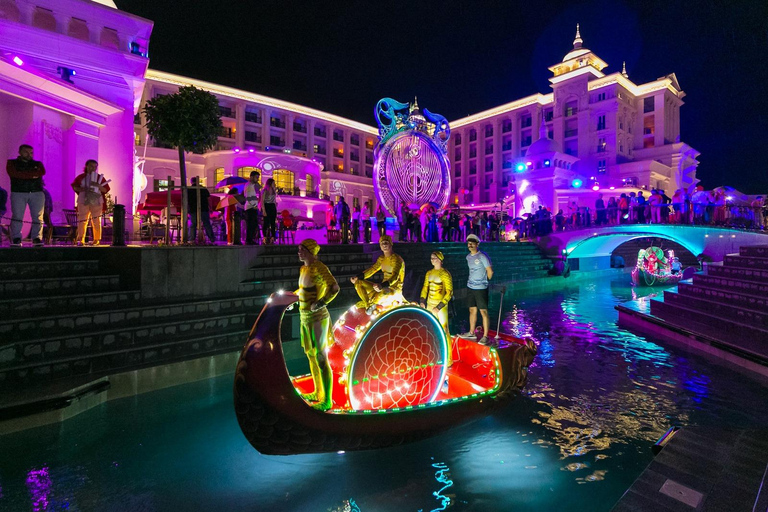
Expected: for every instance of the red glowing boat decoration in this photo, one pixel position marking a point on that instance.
(389, 375)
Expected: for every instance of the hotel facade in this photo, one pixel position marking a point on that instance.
(74, 78)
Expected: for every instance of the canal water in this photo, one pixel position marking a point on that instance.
(597, 399)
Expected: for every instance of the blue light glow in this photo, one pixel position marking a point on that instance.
(577, 183)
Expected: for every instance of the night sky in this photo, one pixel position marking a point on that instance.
(461, 57)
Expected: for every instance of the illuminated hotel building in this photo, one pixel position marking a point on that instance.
(74, 75)
(599, 131)
(256, 127)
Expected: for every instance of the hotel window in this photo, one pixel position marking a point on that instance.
(310, 185)
(457, 171)
(283, 180)
(472, 135)
(162, 185)
(488, 130)
(601, 122)
(526, 121)
(601, 166)
(218, 175)
(549, 115)
(457, 154)
(525, 141)
(457, 138)
(601, 146)
(252, 116)
(506, 126)
(245, 172)
(473, 168)
(648, 105)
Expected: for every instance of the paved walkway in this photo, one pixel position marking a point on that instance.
(704, 469)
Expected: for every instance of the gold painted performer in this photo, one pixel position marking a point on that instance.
(317, 287)
(436, 293)
(392, 267)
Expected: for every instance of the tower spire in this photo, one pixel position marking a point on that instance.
(543, 127)
(624, 69)
(577, 42)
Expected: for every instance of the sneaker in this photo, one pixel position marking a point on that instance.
(16, 242)
(468, 336)
(37, 242)
(483, 341)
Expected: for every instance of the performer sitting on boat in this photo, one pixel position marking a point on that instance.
(675, 265)
(392, 267)
(437, 292)
(317, 287)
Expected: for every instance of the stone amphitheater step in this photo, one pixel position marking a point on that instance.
(746, 316)
(105, 362)
(733, 272)
(750, 262)
(40, 287)
(754, 251)
(724, 296)
(742, 337)
(37, 269)
(118, 316)
(25, 307)
(730, 284)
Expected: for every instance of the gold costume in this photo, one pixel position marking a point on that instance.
(436, 293)
(393, 269)
(316, 284)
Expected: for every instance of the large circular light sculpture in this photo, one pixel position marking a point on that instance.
(411, 165)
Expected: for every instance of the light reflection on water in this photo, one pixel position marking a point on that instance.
(597, 398)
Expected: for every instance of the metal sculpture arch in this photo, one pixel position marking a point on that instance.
(411, 164)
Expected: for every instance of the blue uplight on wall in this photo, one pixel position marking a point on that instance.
(520, 167)
(577, 183)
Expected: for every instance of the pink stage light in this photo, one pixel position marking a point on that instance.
(251, 150)
(17, 60)
(236, 149)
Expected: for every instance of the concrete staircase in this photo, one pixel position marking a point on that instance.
(729, 303)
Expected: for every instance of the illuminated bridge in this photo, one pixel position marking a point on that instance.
(591, 248)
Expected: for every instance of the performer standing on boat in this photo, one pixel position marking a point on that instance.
(317, 287)
(392, 267)
(437, 292)
(480, 272)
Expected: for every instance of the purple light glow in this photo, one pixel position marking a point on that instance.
(39, 485)
(18, 60)
(236, 149)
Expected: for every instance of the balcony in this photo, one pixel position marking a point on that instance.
(226, 112)
(506, 128)
(571, 111)
(252, 117)
(526, 122)
(299, 145)
(227, 133)
(276, 123)
(338, 137)
(338, 168)
(320, 133)
(571, 133)
(338, 154)
(276, 141)
(601, 148)
(320, 150)
(252, 137)
(369, 144)
(298, 127)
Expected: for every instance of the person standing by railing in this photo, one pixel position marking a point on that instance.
(268, 206)
(26, 189)
(91, 188)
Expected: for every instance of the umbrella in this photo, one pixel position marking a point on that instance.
(230, 181)
(230, 200)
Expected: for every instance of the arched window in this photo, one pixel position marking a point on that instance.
(218, 175)
(310, 189)
(245, 172)
(283, 181)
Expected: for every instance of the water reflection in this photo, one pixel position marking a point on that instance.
(597, 398)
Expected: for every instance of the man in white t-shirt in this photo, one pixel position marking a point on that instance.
(480, 272)
(252, 196)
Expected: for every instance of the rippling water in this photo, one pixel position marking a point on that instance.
(597, 398)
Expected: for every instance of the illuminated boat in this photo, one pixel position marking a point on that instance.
(389, 375)
(654, 269)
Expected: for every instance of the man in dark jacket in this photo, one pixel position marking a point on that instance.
(343, 216)
(26, 189)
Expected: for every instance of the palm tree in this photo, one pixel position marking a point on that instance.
(188, 120)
